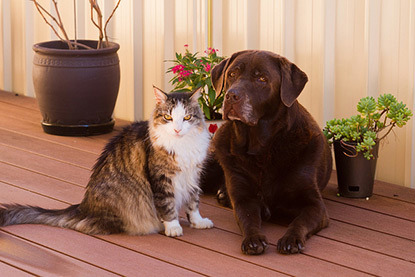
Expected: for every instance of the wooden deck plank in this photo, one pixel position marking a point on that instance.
(384, 189)
(41, 184)
(337, 231)
(44, 166)
(198, 258)
(11, 98)
(380, 222)
(48, 148)
(318, 246)
(377, 203)
(42, 261)
(8, 270)
(11, 194)
(230, 242)
(96, 251)
(35, 130)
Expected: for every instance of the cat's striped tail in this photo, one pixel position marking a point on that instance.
(70, 218)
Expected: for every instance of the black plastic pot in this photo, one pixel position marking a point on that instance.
(76, 89)
(355, 174)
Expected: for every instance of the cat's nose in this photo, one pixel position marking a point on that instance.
(177, 131)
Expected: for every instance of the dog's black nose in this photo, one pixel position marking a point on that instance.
(232, 95)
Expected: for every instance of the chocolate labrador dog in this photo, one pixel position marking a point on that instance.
(274, 156)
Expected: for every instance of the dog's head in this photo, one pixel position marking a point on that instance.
(256, 83)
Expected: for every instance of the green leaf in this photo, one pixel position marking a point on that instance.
(366, 105)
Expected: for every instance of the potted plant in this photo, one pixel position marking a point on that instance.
(356, 141)
(76, 82)
(192, 72)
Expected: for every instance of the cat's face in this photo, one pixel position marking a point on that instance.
(176, 114)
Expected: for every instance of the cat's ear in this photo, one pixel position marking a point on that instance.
(196, 94)
(160, 95)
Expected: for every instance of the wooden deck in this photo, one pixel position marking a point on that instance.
(374, 237)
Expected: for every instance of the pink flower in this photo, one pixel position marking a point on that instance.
(178, 68)
(185, 73)
(186, 45)
(207, 67)
(211, 50)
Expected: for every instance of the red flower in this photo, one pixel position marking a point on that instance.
(211, 50)
(207, 67)
(213, 128)
(178, 68)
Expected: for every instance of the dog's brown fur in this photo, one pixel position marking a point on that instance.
(274, 156)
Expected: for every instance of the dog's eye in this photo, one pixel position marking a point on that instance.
(232, 74)
(262, 79)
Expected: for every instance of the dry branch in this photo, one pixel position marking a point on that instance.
(108, 20)
(63, 36)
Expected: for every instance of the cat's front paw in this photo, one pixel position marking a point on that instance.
(173, 228)
(202, 223)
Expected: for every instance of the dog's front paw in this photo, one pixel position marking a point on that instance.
(290, 244)
(254, 245)
(173, 228)
(203, 223)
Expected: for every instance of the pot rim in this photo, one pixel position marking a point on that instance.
(51, 47)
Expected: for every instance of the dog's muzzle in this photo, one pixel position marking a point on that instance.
(237, 107)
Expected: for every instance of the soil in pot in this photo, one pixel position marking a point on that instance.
(355, 174)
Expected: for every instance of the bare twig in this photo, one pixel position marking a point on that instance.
(59, 21)
(95, 6)
(108, 20)
(63, 36)
(43, 12)
(387, 133)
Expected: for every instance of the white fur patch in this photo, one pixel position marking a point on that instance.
(198, 222)
(173, 228)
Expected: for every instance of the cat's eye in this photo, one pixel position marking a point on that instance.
(167, 117)
(187, 117)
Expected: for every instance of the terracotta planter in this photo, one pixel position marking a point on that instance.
(76, 89)
(355, 174)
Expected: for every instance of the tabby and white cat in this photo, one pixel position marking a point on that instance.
(142, 178)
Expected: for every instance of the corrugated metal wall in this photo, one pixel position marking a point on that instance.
(348, 48)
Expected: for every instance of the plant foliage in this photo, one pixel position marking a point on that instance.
(192, 72)
(375, 121)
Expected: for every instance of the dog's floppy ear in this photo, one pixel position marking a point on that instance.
(218, 72)
(217, 75)
(293, 81)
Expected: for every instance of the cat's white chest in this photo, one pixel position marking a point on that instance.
(189, 153)
(189, 157)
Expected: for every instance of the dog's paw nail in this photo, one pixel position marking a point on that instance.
(254, 245)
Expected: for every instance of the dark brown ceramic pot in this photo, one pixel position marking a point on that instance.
(76, 89)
